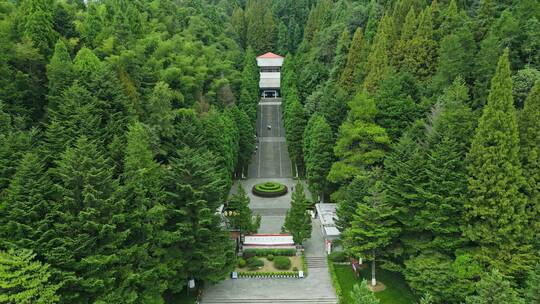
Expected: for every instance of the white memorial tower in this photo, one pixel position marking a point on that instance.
(270, 75)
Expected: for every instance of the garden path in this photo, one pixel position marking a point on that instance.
(271, 163)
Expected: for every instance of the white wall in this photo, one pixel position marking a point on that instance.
(271, 62)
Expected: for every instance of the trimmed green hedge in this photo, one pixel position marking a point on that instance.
(265, 252)
(276, 274)
(282, 262)
(304, 264)
(269, 189)
(335, 281)
(338, 256)
(254, 263)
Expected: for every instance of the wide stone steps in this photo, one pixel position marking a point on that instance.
(316, 262)
(273, 300)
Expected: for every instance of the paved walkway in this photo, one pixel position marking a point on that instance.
(272, 163)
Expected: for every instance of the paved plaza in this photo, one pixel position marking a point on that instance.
(271, 163)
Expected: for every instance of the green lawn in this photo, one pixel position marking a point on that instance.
(396, 292)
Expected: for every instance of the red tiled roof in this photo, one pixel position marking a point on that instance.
(269, 55)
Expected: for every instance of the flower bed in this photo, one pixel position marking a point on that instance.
(269, 189)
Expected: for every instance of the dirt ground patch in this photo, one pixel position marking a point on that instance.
(378, 287)
(296, 261)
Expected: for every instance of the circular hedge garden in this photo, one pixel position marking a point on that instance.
(269, 189)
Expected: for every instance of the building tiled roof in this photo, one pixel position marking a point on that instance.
(269, 55)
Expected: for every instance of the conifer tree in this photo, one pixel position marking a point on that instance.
(347, 200)
(378, 61)
(360, 294)
(448, 138)
(25, 280)
(361, 143)
(142, 195)
(495, 212)
(372, 228)
(456, 53)
(349, 76)
(25, 205)
(240, 215)
(318, 154)
(493, 288)
(295, 125)
(532, 292)
(404, 43)
(59, 74)
(85, 228)
(246, 141)
(297, 220)
(530, 158)
(199, 248)
(420, 57)
(340, 57)
(158, 112)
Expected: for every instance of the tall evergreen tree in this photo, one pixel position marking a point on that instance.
(240, 216)
(495, 214)
(493, 288)
(297, 220)
(372, 228)
(361, 143)
(318, 154)
(25, 205)
(379, 59)
(295, 125)
(532, 292)
(25, 280)
(420, 60)
(349, 76)
(530, 158)
(198, 246)
(340, 57)
(59, 74)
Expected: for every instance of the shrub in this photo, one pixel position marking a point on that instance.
(264, 252)
(295, 268)
(338, 256)
(282, 262)
(270, 257)
(269, 189)
(241, 263)
(254, 263)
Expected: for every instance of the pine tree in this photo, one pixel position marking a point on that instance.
(240, 215)
(197, 245)
(37, 24)
(158, 113)
(493, 288)
(25, 280)
(495, 213)
(249, 95)
(456, 53)
(403, 45)
(361, 294)
(448, 138)
(142, 196)
(532, 292)
(361, 143)
(372, 228)
(347, 199)
(421, 56)
(26, 204)
(238, 23)
(340, 57)
(295, 125)
(246, 143)
(85, 239)
(485, 62)
(378, 61)
(297, 220)
(59, 74)
(318, 154)
(530, 158)
(349, 76)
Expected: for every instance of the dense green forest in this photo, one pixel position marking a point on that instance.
(123, 124)
(421, 120)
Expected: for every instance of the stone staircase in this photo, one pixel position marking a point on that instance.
(269, 301)
(316, 262)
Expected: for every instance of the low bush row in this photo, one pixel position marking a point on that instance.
(265, 252)
(338, 257)
(335, 280)
(264, 275)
